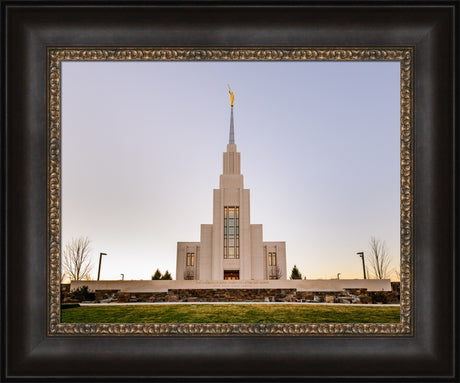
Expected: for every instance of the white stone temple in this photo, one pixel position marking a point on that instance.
(231, 255)
(231, 248)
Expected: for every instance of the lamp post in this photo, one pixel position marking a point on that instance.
(100, 261)
(122, 277)
(361, 254)
(338, 276)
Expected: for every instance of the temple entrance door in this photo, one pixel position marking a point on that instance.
(231, 275)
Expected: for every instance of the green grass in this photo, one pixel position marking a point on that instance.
(240, 313)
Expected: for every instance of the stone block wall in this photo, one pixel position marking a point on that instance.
(234, 295)
(252, 295)
(141, 297)
(345, 296)
(105, 294)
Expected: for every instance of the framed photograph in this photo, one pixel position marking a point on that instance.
(109, 96)
(173, 136)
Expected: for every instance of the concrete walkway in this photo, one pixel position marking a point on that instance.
(235, 303)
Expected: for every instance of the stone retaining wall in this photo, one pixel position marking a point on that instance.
(141, 297)
(231, 295)
(257, 295)
(246, 295)
(298, 284)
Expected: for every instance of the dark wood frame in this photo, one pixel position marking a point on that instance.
(28, 28)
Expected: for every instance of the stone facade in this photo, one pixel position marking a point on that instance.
(231, 247)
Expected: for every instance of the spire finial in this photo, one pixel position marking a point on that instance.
(231, 139)
(232, 97)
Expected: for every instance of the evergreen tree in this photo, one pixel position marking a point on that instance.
(166, 275)
(157, 275)
(295, 273)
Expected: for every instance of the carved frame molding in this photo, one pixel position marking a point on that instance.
(405, 55)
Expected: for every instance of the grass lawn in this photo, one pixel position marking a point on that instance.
(240, 313)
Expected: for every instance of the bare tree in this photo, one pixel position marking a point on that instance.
(275, 272)
(397, 274)
(76, 261)
(379, 260)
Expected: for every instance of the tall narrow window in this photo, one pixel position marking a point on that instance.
(231, 232)
(190, 260)
(271, 259)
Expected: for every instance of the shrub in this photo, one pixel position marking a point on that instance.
(69, 306)
(82, 294)
(380, 297)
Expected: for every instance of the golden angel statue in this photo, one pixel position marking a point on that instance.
(232, 97)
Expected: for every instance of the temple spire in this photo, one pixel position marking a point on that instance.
(231, 139)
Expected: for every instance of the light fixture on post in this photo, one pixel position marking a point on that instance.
(100, 261)
(361, 254)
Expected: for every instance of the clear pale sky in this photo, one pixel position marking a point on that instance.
(142, 147)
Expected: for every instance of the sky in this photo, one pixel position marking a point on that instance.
(142, 146)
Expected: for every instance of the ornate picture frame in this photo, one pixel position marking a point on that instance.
(37, 346)
(56, 56)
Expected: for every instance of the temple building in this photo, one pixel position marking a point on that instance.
(231, 263)
(231, 247)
